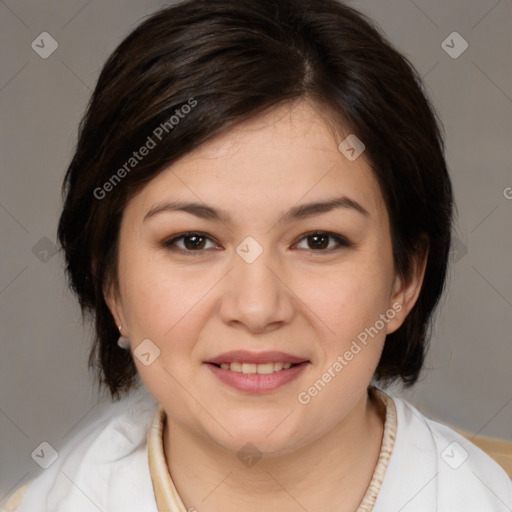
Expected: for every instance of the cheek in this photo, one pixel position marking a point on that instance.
(159, 297)
(350, 298)
(351, 306)
(164, 305)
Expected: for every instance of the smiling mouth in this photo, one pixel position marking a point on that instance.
(259, 368)
(257, 376)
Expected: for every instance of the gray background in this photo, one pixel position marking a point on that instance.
(45, 388)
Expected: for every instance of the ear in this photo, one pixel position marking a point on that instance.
(406, 289)
(113, 301)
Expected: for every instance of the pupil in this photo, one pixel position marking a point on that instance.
(319, 245)
(194, 245)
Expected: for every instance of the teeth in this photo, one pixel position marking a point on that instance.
(265, 368)
(236, 367)
(249, 368)
(261, 369)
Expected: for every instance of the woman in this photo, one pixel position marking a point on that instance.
(258, 211)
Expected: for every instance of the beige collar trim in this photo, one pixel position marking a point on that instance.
(388, 441)
(166, 495)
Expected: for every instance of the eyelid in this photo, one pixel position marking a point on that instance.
(341, 240)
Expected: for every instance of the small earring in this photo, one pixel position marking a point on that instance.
(122, 341)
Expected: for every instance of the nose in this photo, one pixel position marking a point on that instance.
(255, 295)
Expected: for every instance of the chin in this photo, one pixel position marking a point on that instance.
(267, 438)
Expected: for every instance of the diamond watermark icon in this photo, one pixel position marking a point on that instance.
(454, 45)
(44, 249)
(249, 250)
(146, 352)
(44, 45)
(351, 147)
(454, 455)
(249, 455)
(44, 455)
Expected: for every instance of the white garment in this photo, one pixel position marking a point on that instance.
(104, 466)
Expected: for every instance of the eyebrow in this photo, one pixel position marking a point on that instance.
(302, 211)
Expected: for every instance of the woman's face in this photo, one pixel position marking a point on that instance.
(254, 277)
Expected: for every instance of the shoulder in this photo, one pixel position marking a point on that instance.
(103, 464)
(431, 465)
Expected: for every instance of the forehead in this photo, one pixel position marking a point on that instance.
(287, 156)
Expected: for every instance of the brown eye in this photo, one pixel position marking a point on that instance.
(192, 242)
(319, 241)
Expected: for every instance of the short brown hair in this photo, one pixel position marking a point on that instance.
(236, 59)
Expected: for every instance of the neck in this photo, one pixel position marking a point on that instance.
(338, 466)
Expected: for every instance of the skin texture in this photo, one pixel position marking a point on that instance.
(294, 297)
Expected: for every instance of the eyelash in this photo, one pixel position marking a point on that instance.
(170, 243)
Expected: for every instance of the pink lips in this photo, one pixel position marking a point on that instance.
(254, 382)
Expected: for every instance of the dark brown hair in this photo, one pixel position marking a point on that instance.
(236, 59)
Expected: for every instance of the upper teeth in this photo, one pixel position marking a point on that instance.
(262, 368)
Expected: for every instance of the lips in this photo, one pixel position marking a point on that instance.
(256, 372)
